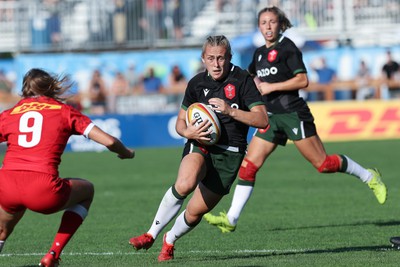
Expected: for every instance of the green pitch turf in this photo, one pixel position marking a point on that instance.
(296, 216)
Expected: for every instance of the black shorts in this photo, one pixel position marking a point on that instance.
(294, 126)
(223, 165)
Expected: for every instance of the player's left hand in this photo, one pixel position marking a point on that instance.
(219, 105)
(265, 88)
(129, 155)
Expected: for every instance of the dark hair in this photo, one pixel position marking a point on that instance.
(284, 22)
(218, 40)
(38, 82)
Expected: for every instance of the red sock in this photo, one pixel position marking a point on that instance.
(70, 222)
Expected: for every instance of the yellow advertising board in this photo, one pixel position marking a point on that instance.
(357, 120)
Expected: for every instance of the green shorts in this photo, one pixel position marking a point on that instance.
(294, 126)
(222, 165)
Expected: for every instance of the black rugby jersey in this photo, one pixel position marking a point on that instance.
(238, 90)
(279, 63)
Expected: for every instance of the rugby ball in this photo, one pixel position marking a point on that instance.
(202, 112)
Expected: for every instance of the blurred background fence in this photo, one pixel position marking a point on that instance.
(93, 25)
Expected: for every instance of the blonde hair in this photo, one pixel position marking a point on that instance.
(218, 40)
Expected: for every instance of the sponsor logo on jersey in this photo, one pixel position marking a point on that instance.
(33, 106)
(267, 72)
(205, 91)
(272, 55)
(230, 91)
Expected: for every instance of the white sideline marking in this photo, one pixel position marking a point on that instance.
(156, 252)
(139, 253)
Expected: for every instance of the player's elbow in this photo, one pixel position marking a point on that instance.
(305, 84)
(303, 81)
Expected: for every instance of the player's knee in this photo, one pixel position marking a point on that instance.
(3, 235)
(247, 173)
(330, 164)
(5, 231)
(192, 219)
(87, 192)
(90, 189)
(176, 193)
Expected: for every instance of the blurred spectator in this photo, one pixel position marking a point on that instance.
(133, 79)
(151, 83)
(98, 15)
(177, 18)
(315, 12)
(119, 22)
(363, 81)
(74, 96)
(119, 88)
(6, 85)
(7, 98)
(177, 81)
(97, 94)
(221, 5)
(54, 22)
(391, 80)
(177, 85)
(46, 24)
(6, 11)
(153, 24)
(390, 67)
(326, 75)
(135, 19)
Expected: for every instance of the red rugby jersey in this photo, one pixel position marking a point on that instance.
(37, 130)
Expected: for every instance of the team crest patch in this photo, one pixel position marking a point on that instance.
(272, 55)
(203, 149)
(230, 91)
(265, 129)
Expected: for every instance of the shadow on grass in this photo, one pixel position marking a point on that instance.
(379, 223)
(272, 253)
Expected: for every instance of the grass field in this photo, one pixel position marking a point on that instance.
(296, 217)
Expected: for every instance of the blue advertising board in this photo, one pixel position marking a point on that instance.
(150, 130)
(136, 131)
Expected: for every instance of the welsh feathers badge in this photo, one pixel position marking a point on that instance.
(272, 55)
(230, 91)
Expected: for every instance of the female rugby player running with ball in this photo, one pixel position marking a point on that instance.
(280, 72)
(207, 171)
